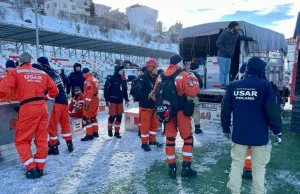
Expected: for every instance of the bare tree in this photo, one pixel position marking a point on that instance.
(41, 19)
(3, 12)
(86, 31)
(20, 7)
(61, 15)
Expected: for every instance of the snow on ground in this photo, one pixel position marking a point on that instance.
(69, 27)
(97, 164)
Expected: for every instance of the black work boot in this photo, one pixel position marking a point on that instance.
(53, 150)
(247, 174)
(187, 171)
(70, 145)
(95, 134)
(159, 145)
(172, 170)
(198, 129)
(40, 172)
(117, 135)
(32, 174)
(87, 138)
(110, 133)
(146, 147)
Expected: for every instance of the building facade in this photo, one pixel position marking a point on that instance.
(101, 10)
(55, 8)
(142, 18)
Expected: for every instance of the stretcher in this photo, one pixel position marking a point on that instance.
(8, 154)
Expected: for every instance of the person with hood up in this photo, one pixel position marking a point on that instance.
(31, 85)
(148, 119)
(252, 103)
(75, 79)
(10, 95)
(226, 47)
(90, 105)
(60, 112)
(115, 91)
(186, 85)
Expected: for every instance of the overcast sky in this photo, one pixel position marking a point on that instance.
(279, 15)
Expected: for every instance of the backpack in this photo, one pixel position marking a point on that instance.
(132, 90)
(167, 101)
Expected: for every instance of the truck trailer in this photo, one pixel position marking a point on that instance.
(198, 44)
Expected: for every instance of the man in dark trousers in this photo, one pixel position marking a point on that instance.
(75, 79)
(115, 91)
(143, 90)
(253, 104)
(226, 48)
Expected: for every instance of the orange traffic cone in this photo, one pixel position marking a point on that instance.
(247, 173)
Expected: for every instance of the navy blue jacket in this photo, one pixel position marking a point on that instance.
(61, 98)
(143, 88)
(115, 89)
(75, 79)
(252, 102)
(227, 41)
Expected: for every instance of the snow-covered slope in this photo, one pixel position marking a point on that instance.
(57, 25)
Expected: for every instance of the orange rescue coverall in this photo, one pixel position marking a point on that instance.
(186, 84)
(91, 85)
(31, 85)
(10, 95)
(76, 106)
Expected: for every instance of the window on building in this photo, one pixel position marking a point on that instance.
(65, 5)
(73, 7)
(48, 6)
(55, 4)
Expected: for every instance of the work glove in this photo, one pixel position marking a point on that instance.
(278, 139)
(227, 135)
(127, 103)
(107, 104)
(150, 95)
(49, 98)
(86, 107)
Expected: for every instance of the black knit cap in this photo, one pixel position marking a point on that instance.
(85, 70)
(233, 24)
(175, 59)
(10, 64)
(194, 66)
(43, 61)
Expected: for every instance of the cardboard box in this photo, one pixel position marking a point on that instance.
(132, 119)
(102, 105)
(76, 125)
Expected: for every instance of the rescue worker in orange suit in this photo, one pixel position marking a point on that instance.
(91, 105)
(31, 85)
(186, 86)
(143, 91)
(10, 95)
(60, 112)
(76, 105)
(115, 90)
